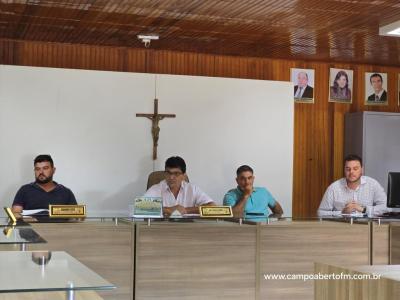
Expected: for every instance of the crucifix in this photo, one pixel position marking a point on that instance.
(155, 128)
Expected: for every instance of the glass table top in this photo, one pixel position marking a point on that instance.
(34, 271)
(196, 218)
(19, 235)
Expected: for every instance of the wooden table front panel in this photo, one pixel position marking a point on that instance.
(190, 261)
(105, 248)
(293, 248)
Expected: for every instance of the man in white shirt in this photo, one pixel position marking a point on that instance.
(177, 194)
(353, 193)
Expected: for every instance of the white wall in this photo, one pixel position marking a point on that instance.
(86, 121)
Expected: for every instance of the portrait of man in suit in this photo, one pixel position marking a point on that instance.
(376, 88)
(303, 80)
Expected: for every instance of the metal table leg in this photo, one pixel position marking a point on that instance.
(70, 293)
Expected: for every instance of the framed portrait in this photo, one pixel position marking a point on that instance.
(340, 85)
(376, 88)
(303, 81)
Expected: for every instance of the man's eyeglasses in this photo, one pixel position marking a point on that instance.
(169, 173)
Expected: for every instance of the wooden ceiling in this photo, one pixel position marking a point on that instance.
(341, 30)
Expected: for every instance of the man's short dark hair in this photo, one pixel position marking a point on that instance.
(176, 162)
(375, 75)
(42, 158)
(244, 168)
(352, 157)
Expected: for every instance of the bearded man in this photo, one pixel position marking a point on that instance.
(43, 191)
(353, 193)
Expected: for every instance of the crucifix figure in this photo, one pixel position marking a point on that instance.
(155, 128)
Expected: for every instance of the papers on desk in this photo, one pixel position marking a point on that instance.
(177, 214)
(29, 212)
(354, 214)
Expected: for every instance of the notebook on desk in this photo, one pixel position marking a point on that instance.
(35, 212)
(42, 216)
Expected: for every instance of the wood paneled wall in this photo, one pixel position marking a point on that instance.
(319, 127)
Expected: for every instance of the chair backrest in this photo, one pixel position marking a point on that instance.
(158, 176)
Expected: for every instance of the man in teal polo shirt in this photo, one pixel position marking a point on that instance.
(248, 201)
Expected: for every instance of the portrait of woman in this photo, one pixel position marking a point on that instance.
(341, 84)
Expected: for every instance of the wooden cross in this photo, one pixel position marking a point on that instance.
(155, 128)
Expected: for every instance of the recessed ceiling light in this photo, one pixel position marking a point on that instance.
(392, 29)
(394, 32)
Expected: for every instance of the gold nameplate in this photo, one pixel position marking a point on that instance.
(10, 214)
(216, 212)
(67, 211)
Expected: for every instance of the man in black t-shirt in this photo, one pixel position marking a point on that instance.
(44, 191)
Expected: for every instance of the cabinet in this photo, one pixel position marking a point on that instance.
(375, 136)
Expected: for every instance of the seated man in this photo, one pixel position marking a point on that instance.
(44, 191)
(249, 201)
(176, 193)
(353, 193)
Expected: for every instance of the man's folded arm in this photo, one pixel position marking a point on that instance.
(326, 208)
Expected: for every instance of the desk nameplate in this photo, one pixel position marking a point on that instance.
(216, 212)
(148, 207)
(10, 214)
(67, 211)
